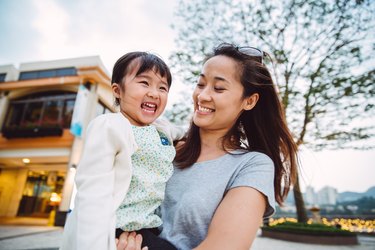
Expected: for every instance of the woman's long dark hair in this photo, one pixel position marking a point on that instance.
(261, 129)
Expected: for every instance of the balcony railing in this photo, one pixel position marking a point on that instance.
(32, 131)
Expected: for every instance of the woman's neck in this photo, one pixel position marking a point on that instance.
(211, 145)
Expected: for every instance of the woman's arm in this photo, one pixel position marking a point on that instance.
(236, 220)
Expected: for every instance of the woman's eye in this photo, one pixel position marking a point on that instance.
(200, 85)
(219, 89)
(144, 82)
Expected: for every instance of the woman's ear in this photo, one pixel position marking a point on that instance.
(251, 101)
(116, 90)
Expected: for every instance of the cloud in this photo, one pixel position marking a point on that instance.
(105, 28)
(51, 25)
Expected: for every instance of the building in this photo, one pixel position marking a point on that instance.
(327, 196)
(311, 197)
(39, 145)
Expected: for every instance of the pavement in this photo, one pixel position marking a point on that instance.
(34, 234)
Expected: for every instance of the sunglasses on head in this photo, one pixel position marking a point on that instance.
(253, 52)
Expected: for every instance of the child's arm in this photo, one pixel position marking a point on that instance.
(173, 131)
(95, 181)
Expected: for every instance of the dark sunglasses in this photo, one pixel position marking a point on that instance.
(253, 52)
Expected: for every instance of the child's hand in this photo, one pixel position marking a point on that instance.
(130, 241)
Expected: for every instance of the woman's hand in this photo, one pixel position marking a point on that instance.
(130, 241)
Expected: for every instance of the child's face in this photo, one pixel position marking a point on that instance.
(143, 97)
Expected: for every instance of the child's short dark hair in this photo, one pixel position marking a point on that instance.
(147, 62)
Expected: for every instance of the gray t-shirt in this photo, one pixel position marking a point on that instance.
(193, 194)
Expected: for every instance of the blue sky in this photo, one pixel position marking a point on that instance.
(38, 30)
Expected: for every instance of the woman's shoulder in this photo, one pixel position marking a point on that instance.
(252, 160)
(251, 156)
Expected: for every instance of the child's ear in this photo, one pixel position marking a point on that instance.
(251, 101)
(116, 90)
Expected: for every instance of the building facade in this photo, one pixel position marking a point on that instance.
(39, 150)
(327, 196)
(311, 197)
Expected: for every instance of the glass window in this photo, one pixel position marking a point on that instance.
(39, 114)
(29, 75)
(2, 77)
(15, 114)
(32, 114)
(47, 73)
(36, 195)
(68, 113)
(66, 72)
(52, 113)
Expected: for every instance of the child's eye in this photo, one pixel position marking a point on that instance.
(164, 89)
(144, 82)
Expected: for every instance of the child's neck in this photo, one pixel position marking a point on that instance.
(133, 121)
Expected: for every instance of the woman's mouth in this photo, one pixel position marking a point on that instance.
(205, 109)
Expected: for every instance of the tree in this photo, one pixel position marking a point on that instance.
(323, 55)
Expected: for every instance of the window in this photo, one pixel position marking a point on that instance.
(33, 112)
(66, 72)
(41, 114)
(27, 75)
(47, 73)
(52, 112)
(2, 77)
(15, 114)
(68, 112)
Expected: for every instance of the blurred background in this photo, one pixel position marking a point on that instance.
(55, 54)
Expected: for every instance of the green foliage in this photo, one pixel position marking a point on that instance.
(323, 55)
(315, 228)
(323, 59)
(365, 205)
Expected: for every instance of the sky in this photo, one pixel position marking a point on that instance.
(35, 30)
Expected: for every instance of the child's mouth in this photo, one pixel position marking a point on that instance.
(149, 107)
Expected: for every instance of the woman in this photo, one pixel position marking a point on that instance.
(238, 157)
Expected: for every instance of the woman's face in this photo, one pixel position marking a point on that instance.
(218, 96)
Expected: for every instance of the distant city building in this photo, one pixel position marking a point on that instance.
(310, 196)
(39, 150)
(327, 196)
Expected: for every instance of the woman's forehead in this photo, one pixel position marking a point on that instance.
(221, 66)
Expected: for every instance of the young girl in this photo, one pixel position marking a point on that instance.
(126, 160)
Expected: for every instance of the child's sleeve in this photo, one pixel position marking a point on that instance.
(173, 131)
(95, 185)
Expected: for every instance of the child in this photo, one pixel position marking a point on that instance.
(126, 160)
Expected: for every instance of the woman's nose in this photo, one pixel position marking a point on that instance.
(204, 95)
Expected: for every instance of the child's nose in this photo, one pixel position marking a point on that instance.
(153, 93)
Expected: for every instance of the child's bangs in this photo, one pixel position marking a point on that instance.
(151, 62)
